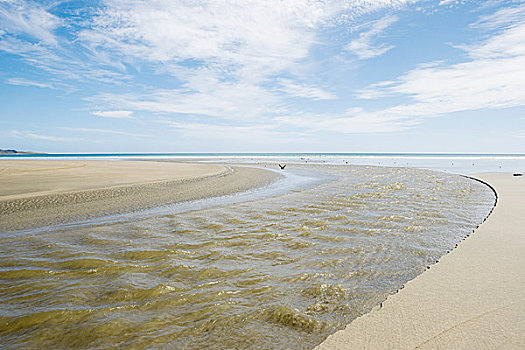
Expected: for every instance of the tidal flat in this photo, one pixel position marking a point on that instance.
(278, 272)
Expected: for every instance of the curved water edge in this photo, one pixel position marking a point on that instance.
(291, 180)
(281, 271)
(496, 196)
(367, 325)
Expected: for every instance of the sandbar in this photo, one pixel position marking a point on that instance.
(36, 193)
(473, 298)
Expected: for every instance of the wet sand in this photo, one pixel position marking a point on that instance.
(35, 193)
(473, 298)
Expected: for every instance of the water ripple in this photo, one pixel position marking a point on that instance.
(280, 272)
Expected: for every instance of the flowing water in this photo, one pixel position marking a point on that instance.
(281, 272)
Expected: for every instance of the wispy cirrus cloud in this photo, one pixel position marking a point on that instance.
(116, 114)
(501, 19)
(305, 90)
(447, 2)
(223, 53)
(29, 18)
(27, 82)
(491, 77)
(232, 101)
(365, 45)
(221, 56)
(270, 136)
(35, 136)
(351, 121)
(31, 31)
(104, 131)
(53, 84)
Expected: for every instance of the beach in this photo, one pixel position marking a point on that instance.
(36, 193)
(326, 252)
(473, 298)
(279, 266)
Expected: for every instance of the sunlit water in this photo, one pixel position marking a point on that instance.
(279, 272)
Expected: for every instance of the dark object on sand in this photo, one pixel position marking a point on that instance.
(282, 166)
(517, 174)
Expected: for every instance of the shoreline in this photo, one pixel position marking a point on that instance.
(100, 188)
(472, 298)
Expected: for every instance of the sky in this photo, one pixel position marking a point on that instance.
(425, 76)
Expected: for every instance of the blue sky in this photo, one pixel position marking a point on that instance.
(263, 76)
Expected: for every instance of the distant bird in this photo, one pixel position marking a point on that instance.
(282, 166)
(517, 174)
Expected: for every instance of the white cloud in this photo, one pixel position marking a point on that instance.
(32, 135)
(26, 82)
(114, 114)
(65, 66)
(352, 121)
(221, 59)
(492, 76)
(364, 46)
(376, 90)
(221, 100)
(447, 2)
(264, 35)
(29, 18)
(503, 18)
(305, 91)
(226, 54)
(105, 131)
(265, 135)
(32, 32)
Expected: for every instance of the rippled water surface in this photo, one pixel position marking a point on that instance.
(273, 273)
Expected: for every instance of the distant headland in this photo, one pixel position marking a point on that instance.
(15, 152)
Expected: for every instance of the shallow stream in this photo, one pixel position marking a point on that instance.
(281, 270)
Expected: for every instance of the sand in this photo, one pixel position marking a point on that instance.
(473, 298)
(35, 193)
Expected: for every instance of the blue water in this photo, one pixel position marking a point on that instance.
(285, 154)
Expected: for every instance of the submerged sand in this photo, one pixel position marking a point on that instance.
(474, 298)
(35, 193)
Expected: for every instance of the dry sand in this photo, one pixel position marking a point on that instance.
(36, 193)
(474, 298)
